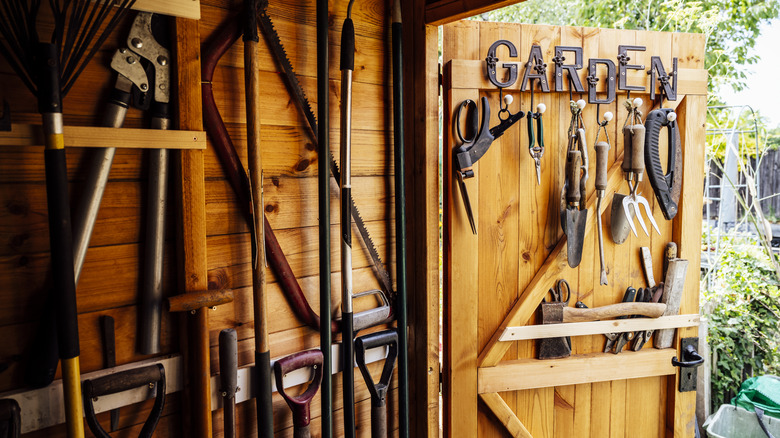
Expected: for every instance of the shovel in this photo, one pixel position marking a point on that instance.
(300, 405)
(572, 217)
(378, 390)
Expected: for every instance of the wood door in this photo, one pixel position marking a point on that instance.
(495, 280)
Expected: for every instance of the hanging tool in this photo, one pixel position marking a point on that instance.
(549, 348)
(400, 219)
(536, 150)
(554, 313)
(323, 132)
(5, 121)
(49, 70)
(674, 284)
(264, 402)
(152, 376)
(300, 405)
(228, 379)
(602, 158)
(612, 338)
(667, 187)
(378, 390)
(109, 357)
(573, 196)
(347, 334)
(10, 419)
(478, 141)
(633, 167)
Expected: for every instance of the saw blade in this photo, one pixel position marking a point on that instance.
(294, 87)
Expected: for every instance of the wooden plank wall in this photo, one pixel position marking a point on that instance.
(518, 227)
(110, 278)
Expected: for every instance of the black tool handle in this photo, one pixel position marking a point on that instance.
(10, 418)
(573, 177)
(627, 147)
(602, 157)
(657, 120)
(378, 390)
(123, 381)
(228, 378)
(638, 151)
(378, 421)
(347, 46)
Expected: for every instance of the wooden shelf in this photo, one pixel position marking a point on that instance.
(175, 8)
(99, 137)
(514, 375)
(597, 327)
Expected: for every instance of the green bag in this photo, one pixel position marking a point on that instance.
(761, 392)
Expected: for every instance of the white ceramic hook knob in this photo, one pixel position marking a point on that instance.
(672, 116)
(508, 99)
(541, 108)
(581, 104)
(638, 102)
(608, 116)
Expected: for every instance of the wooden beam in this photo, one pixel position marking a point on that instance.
(175, 8)
(447, 11)
(505, 415)
(542, 331)
(555, 264)
(470, 74)
(99, 137)
(514, 375)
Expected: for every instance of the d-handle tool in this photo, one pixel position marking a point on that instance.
(152, 376)
(602, 156)
(300, 405)
(378, 390)
(475, 144)
(667, 187)
(228, 378)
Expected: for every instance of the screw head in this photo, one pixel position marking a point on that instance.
(137, 43)
(162, 60)
(144, 87)
(130, 60)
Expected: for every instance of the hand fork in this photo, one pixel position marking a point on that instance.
(635, 152)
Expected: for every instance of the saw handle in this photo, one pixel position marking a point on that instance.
(651, 310)
(638, 151)
(602, 157)
(573, 178)
(662, 183)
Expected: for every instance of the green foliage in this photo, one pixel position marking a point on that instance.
(730, 26)
(744, 316)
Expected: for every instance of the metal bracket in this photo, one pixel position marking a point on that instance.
(690, 360)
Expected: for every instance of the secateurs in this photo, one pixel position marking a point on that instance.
(476, 143)
(536, 150)
(573, 211)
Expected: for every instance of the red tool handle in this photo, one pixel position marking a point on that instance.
(299, 405)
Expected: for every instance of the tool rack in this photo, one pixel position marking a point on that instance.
(495, 280)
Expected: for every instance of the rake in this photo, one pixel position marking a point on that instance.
(49, 69)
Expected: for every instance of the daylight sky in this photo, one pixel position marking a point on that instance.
(763, 91)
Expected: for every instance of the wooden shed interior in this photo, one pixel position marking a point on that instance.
(490, 285)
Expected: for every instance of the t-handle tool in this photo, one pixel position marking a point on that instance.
(300, 405)
(378, 390)
(228, 378)
(612, 338)
(602, 156)
(667, 187)
(475, 144)
(152, 376)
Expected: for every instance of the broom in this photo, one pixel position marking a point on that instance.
(49, 70)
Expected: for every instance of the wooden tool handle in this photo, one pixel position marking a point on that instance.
(652, 310)
(573, 177)
(638, 150)
(602, 156)
(627, 147)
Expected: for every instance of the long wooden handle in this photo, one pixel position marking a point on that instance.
(652, 310)
(602, 163)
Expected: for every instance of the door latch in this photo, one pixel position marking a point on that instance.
(690, 360)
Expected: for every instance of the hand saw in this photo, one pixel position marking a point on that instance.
(296, 91)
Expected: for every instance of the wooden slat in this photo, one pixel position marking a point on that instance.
(505, 415)
(446, 11)
(176, 8)
(587, 368)
(470, 74)
(99, 137)
(597, 327)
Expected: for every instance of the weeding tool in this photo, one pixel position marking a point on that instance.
(612, 338)
(476, 144)
(49, 70)
(378, 390)
(573, 213)
(602, 157)
(228, 379)
(152, 376)
(554, 313)
(300, 405)
(667, 187)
